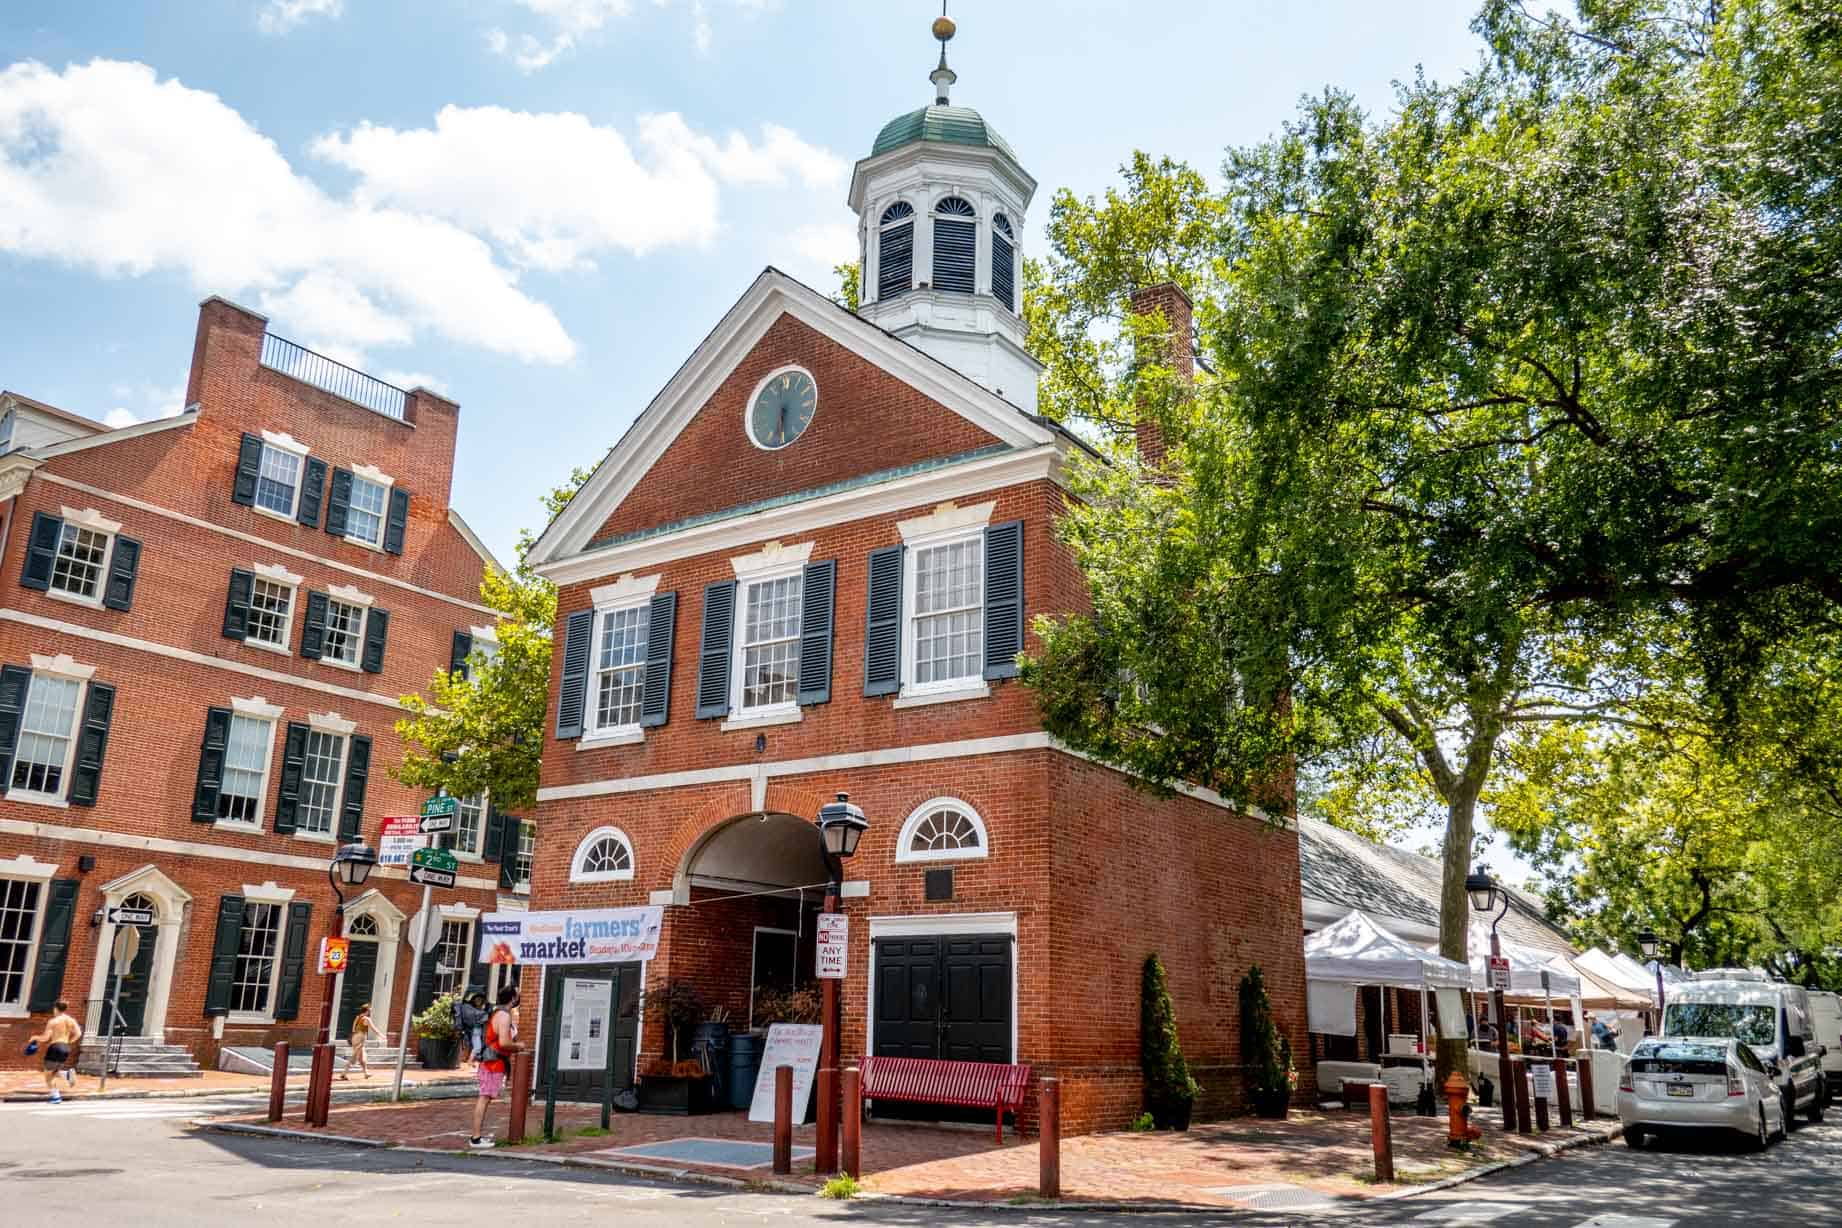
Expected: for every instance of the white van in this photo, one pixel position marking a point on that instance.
(1772, 1017)
(1826, 1015)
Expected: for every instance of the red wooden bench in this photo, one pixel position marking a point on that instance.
(974, 1085)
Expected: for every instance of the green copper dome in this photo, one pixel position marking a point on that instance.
(946, 124)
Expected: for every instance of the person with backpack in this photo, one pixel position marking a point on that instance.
(470, 1021)
(501, 1036)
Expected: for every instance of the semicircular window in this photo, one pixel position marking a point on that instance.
(942, 830)
(604, 856)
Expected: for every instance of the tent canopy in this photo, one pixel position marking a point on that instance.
(1357, 951)
(1599, 995)
(1618, 972)
(1527, 970)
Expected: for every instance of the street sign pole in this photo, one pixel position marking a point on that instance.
(409, 994)
(123, 949)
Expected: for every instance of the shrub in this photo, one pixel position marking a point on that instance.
(436, 1022)
(842, 1186)
(1142, 1124)
(1167, 1076)
(676, 1006)
(1266, 1055)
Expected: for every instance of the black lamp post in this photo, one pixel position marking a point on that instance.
(841, 825)
(1647, 943)
(1484, 893)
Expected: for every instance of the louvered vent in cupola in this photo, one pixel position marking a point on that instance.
(895, 262)
(955, 245)
(1003, 262)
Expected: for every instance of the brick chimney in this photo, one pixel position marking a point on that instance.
(1168, 299)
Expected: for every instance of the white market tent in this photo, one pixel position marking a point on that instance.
(1532, 974)
(1358, 951)
(1621, 973)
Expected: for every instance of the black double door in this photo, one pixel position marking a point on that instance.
(360, 979)
(134, 984)
(944, 997)
(588, 1085)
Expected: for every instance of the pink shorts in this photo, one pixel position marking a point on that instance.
(492, 1082)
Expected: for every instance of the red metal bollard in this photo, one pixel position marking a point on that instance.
(1518, 1077)
(826, 1140)
(523, 1064)
(783, 1119)
(278, 1081)
(1586, 1087)
(852, 1126)
(1561, 1098)
(1379, 1127)
(1049, 1139)
(325, 1057)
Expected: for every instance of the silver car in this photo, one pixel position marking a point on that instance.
(1678, 1083)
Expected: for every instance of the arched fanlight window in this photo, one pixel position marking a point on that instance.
(1003, 262)
(956, 230)
(942, 829)
(895, 260)
(604, 856)
(137, 900)
(364, 925)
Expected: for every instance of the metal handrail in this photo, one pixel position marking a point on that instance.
(330, 375)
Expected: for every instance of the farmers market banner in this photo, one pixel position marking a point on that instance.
(573, 936)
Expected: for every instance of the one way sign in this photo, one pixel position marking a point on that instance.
(431, 877)
(131, 916)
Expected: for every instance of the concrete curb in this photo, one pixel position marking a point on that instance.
(244, 1127)
(1542, 1151)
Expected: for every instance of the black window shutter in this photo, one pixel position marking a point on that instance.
(457, 654)
(293, 960)
(313, 491)
(377, 630)
(1003, 271)
(817, 591)
(895, 272)
(224, 948)
(955, 240)
(495, 836)
(249, 465)
(508, 854)
(53, 944)
(882, 629)
(656, 700)
(41, 551)
(211, 765)
(713, 657)
(124, 564)
(293, 767)
(578, 633)
(1003, 598)
(338, 502)
(15, 681)
(92, 744)
(357, 771)
(236, 603)
(397, 521)
(313, 627)
(425, 975)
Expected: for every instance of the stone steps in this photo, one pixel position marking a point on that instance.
(138, 1057)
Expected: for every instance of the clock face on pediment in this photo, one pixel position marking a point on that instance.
(782, 408)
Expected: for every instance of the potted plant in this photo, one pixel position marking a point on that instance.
(1170, 1092)
(801, 1005)
(1265, 1055)
(676, 1085)
(437, 1040)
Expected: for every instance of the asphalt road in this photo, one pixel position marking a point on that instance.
(138, 1163)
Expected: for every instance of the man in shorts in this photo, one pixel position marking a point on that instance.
(495, 1058)
(59, 1039)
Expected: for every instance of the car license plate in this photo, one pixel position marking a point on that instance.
(1681, 1089)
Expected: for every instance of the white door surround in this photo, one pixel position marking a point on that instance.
(170, 903)
(389, 919)
(939, 924)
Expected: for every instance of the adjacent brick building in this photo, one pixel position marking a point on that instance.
(808, 568)
(205, 626)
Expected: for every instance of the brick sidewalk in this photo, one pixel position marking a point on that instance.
(23, 1083)
(1208, 1165)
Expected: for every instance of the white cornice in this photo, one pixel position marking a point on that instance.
(986, 158)
(628, 588)
(256, 706)
(772, 295)
(969, 478)
(63, 666)
(949, 517)
(125, 433)
(771, 558)
(330, 722)
(15, 471)
(278, 573)
(90, 518)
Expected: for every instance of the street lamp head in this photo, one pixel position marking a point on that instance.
(841, 826)
(1482, 891)
(353, 862)
(1647, 943)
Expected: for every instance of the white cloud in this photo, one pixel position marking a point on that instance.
(826, 244)
(107, 168)
(700, 27)
(119, 417)
(281, 16)
(569, 22)
(155, 402)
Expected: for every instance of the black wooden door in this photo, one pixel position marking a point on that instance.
(908, 997)
(587, 1085)
(975, 1003)
(134, 985)
(360, 977)
(943, 997)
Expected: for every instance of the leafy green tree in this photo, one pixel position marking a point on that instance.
(484, 731)
(850, 285)
(1500, 393)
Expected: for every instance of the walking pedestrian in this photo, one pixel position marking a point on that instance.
(360, 1036)
(501, 1035)
(59, 1040)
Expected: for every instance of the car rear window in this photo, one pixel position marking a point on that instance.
(1665, 1066)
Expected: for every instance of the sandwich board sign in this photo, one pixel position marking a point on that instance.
(788, 1044)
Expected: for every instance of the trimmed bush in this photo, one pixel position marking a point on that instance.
(1265, 1055)
(1169, 1089)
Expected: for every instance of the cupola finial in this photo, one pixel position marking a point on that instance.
(942, 76)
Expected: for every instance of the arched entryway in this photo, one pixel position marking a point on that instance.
(375, 926)
(146, 985)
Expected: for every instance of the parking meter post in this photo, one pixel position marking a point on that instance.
(1561, 1098)
(1382, 1136)
(1586, 1085)
(783, 1120)
(278, 1081)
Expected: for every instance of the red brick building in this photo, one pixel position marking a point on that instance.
(205, 627)
(809, 567)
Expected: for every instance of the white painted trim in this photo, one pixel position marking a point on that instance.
(626, 735)
(287, 443)
(662, 898)
(350, 595)
(854, 889)
(473, 540)
(578, 875)
(90, 518)
(905, 854)
(374, 475)
(947, 520)
(278, 574)
(263, 542)
(772, 561)
(195, 658)
(769, 565)
(930, 925)
(949, 529)
(170, 899)
(748, 406)
(453, 910)
(27, 866)
(489, 635)
(257, 707)
(762, 718)
(267, 892)
(62, 666)
(139, 429)
(36, 799)
(968, 478)
(30, 870)
(331, 722)
(921, 699)
(628, 590)
(389, 918)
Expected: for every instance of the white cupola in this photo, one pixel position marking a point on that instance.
(940, 209)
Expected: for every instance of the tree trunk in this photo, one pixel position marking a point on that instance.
(1455, 912)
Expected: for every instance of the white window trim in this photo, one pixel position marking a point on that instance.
(748, 406)
(948, 524)
(255, 709)
(283, 442)
(578, 875)
(266, 893)
(351, 596)
(774, 561)
(522, 888)
(331, 722)
(376, 476)
(629, 592)
(333, 725)
(904, 853)
(63, 665)
(93, 520)
(274, 573)
(26, 869)
(90, 518)
(476, 855)
(62, 668)
(345, 594)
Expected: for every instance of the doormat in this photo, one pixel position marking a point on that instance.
(713, 1152)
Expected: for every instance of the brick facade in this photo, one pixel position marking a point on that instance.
(169, 660)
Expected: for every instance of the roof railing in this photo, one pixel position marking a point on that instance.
(331, 375)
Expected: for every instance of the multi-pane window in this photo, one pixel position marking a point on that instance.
(320, 776)
(270, 605)
(469, 822)
(78, 567)
(253, 986)
(45, 731)
(950, 611)
(620, 678)
(770, 642)
(525, 854)
(944, 831)
(607, 857)
(453, 956)
(364, 518)
(345, 626)
(19, 900)
(246, 766)
(278, 480)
